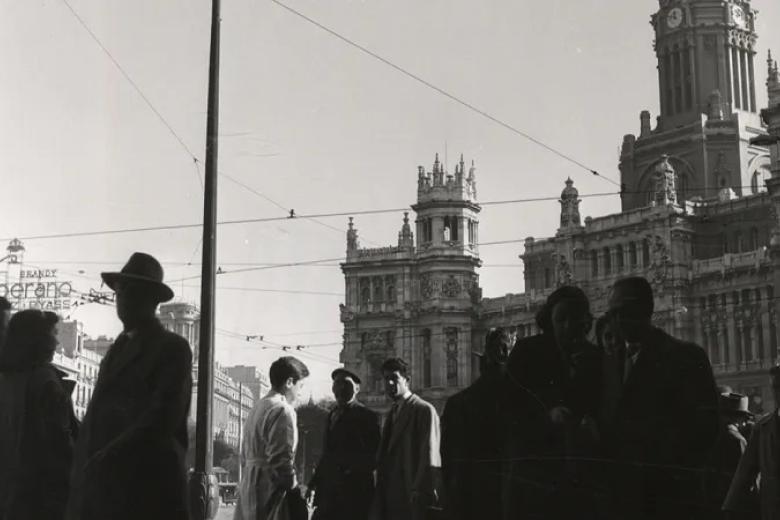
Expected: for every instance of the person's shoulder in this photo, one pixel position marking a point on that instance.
(174, 343)
(364, 412)
(681, 348)
(421, 404)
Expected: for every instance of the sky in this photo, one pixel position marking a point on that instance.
(307, 122)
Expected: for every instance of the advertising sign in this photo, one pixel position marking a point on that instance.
(38, 289)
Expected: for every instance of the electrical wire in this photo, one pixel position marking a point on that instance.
(443, 92)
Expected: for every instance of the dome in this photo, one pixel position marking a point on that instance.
(569, 192)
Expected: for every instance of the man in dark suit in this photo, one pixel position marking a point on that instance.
(129, 457)
(666, 421)
(553, 388)
(343, 484)
(409, 460)
(472, 436)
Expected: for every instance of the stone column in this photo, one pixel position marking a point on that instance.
(731, 338)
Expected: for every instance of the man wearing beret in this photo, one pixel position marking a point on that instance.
(343, 484)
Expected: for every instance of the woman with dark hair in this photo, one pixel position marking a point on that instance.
(37, 424)
(268, 450)
(553, 384)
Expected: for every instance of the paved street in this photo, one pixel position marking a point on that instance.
(225, 513)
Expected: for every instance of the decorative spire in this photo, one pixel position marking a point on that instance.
(405, 237)
(773, 76)
(352, 237)
(436, 164)
(570, 206)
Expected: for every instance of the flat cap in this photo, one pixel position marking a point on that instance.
(346, 373)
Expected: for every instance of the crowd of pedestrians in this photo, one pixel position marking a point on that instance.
(627, 426)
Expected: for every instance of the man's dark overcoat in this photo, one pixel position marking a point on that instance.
(471, 441)
(665, 427)
(136, 423)
(344, 479)
(538, 481)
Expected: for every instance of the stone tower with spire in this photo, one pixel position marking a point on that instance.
(416, 300)
(707, 79)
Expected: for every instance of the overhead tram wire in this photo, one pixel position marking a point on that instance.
(259, 220)
(446, 94)
(196, 161)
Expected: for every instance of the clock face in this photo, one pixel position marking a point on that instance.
(674, 18)
(738, 15)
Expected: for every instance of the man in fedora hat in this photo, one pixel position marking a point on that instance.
(761, 458)
(343, 484)
(667, 418)
(728, 450)
(129, 457)
(471, 437)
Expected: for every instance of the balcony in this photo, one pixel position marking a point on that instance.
(749, 259)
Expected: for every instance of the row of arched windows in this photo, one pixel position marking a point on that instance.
(741, 242)
(746, 335)
(376, 289)
(623, 257)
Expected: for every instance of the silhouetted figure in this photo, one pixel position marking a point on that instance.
(761, 460)
(37, 424)
(666, 421)
(270, 441)
(729, 447)
(343, 484)
(129, 461)
(472, 437)
(553, 388)
(409, 459)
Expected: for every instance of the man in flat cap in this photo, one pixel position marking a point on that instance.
(343, 484)
(129, 456)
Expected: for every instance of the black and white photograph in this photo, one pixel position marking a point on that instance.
(390, 260)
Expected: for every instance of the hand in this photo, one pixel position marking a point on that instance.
(560, 415)
(310, 493)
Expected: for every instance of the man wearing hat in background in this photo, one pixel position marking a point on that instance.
(729, 447)
(761, 458)
(343, 484)
(472, 437)
(129, 456)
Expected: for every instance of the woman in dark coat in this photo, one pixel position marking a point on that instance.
(37, 424)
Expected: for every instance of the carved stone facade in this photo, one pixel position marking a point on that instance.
(700, 219)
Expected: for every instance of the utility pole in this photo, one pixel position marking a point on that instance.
(201, 479)
(240, 424)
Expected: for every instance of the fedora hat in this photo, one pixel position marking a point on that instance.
(145, 269)
(734, 404)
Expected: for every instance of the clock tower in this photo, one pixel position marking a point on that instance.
(705, 46)
(707, 90)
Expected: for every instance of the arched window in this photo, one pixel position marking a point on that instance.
(758, 181)
(365, 295)
(754, 239)
(725, 243)
(645, 253)
(632, 256)
(594, 263)
(378, 289)
(451, 334)
(607, 261)
(620, 265)
(739, 246)
(426, 344)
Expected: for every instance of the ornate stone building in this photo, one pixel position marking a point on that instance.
(700, 209)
